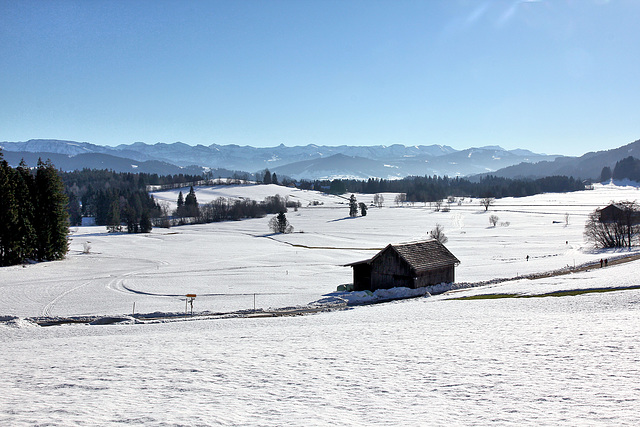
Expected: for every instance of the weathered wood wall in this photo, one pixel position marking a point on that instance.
(434, 277)
(390, 271)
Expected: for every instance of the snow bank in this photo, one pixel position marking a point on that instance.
(17, 322)
(368, 297)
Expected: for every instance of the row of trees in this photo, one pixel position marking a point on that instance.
(433, 188)
(33, 214)
(188, 207)
(226, 209)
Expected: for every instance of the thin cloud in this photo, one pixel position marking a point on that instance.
(512, 10)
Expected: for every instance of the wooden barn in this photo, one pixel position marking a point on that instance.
(411, 265)
(619, 213)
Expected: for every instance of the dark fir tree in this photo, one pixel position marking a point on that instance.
(8, 216)
(267, 177)
(75, 211)
(191, 204)
(145, 222)
(180, 200)
(274, 179)
(131, 219)
(52, 219)
(353, 206)
(363, 209)
(24, 195)
(605, 175)
(114, 223)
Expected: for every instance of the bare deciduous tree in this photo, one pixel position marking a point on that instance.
(493, 220)
(616, 232)
(438, 234)
(487, 202)
(378, 200)
(401, 198)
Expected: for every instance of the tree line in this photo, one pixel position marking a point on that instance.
(434, 188)
(226, 209)
(33, 213)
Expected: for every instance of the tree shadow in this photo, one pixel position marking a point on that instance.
(343, 219)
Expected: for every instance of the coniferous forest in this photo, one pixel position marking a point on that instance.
(112, 198)
(33, 214)
(627, 168)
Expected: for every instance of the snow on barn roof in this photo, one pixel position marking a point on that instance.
(420, 256)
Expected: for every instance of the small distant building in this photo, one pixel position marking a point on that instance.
(619, 213)
(411, 265)
(88, 221)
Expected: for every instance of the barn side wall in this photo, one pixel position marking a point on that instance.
(437, 276)
(388, 270)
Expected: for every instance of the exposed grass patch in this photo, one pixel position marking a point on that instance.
(550, 294)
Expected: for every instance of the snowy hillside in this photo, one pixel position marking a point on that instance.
(426, 361)
(227, 263)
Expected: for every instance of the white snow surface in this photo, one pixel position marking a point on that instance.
(428, 360)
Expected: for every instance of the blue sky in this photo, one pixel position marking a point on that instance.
(555, 76)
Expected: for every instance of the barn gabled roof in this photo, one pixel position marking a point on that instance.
(427, 255)
(420, 256)
(619, 211)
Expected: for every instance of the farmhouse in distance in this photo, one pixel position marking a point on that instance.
(411, 265)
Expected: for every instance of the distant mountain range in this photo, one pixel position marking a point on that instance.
(313, 161)
(300, 162)
(587, 166)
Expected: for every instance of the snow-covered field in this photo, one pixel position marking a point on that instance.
(431, 360)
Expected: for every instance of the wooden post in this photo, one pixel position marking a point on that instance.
(189, 300)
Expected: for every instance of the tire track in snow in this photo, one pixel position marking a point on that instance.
(299, 245)
(117, 284)
(114, 284)
(46, 311)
